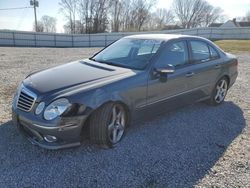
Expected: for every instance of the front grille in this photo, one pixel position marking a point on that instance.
(26, 100)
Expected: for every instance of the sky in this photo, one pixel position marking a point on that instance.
(23, 19)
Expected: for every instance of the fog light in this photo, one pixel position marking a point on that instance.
(49, 138)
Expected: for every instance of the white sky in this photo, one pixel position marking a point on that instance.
(23, 19)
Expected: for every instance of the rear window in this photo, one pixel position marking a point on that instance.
(213, 53)
(200, 51)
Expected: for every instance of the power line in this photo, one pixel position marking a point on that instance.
(14, 8)
(22, 17)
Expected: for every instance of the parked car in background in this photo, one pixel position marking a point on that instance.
(132, 77)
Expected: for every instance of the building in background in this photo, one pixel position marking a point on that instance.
(231, 23)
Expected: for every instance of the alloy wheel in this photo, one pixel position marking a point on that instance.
(117, 123)
(221, 91)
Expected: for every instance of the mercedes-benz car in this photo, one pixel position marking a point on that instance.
(132, 78)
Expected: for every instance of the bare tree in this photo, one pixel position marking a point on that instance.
(141, 12)
(100, 20)
(79, 27)
(86, 13)
(194, 13)
(68, 8)
(126, 16)
(94, 15)
(247, 17)
(49, 23)
(116, 14)
(39, 28)
(163, 17)
(211, 15)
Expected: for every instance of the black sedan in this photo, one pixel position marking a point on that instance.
(130, 79)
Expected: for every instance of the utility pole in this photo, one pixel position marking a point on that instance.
(35, 4)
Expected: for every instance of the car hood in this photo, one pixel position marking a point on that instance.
(73, 74)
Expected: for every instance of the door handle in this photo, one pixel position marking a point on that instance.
(217, 66)
(189, 74)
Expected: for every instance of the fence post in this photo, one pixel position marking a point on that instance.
(210, 36)
(105, 40)
(55, 40)
(72, 40)
(89, 41)
(35, 38)
(14, 41)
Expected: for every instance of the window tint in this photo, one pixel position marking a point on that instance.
(176, 54)
(199, 51)
(214, 54)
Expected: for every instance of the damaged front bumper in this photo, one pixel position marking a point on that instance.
(65, 132)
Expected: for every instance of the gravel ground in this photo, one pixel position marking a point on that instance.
(197, 145)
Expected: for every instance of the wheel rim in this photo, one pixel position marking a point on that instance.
(116, 126)
(221, 91)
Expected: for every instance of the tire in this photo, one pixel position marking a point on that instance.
(107, 125)
(219, 92)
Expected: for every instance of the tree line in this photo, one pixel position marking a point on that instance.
(94, 16)
(98, 16)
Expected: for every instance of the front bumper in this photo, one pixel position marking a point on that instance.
(66, 130)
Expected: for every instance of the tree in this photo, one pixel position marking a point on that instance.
(40, 27)
(93, 15)
(116, 14)
(163, 17)
(86, 13)
(211, 15)
(141, 12)
(126, 15)
(49, 24)
(247, 17)
(68, 8)
(100, 19)
(194, 13)
(79, 27)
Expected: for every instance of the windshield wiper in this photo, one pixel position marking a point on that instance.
(91, 58)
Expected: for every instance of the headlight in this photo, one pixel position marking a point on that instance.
(56, 108)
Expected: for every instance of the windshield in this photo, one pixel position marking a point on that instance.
(129, 53)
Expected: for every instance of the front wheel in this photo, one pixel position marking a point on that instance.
(108, 124)
(219, 92)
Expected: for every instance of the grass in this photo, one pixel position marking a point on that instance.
(234, 45)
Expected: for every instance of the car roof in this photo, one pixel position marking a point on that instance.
(164, 37)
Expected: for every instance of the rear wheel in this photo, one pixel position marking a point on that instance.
(108, 124)
(219, 92)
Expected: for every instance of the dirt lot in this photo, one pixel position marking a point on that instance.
(197, 145)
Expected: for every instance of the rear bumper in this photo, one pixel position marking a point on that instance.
(66, 130)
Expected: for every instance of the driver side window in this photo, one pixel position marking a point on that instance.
(175, 54)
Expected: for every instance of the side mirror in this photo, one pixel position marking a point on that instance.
(162, 73)
(166, 70)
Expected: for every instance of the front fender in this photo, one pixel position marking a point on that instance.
(96, 98)
(102, 96)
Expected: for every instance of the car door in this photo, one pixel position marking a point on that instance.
(205, 68)
(174, 85)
